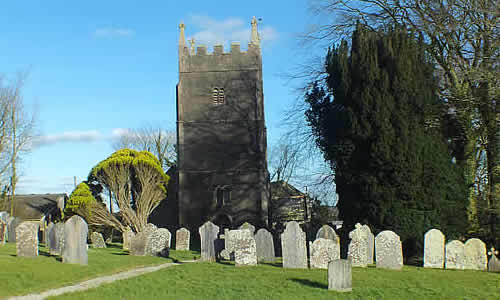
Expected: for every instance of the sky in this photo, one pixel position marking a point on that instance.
(97, 68)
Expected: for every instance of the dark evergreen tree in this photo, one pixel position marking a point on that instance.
(376, 120)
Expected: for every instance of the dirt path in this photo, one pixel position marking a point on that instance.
(93, 283)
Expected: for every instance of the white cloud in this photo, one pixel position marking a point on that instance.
(68, 136)
(211, 31)
(114, 32)
(118, 132)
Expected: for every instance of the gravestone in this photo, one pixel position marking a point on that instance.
(248, 226)
(75, 247)
(475, 255)
(370, 243)
(293, 246)
(388, 249)
(454, 255)
(27, 239)
(208, 234)
(245, 250)
(182, 237)
(494, 263)
(434, 249)
(11, 227)
(160, 242)
(228, 253)
(265, 246)
(140, 244)
(97, 240)
(340, 275)
(327, 232)
(56, 238)
(323, 251)
(3, 232)
(48, 229)
(128, 235)
(358, 247)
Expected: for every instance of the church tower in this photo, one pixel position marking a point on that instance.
(221, 135)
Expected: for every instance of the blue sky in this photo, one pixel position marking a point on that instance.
(97, 67)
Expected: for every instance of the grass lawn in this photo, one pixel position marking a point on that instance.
(19, 275)
(224, 281)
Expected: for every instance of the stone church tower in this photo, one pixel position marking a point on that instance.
(221, 135)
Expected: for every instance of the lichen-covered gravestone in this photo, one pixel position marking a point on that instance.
(494, 263)
(248, 226)
(56, 237)
(358, 247)
(97, 240)
(293, 245)
(75, 241)
(265, 245)
(27, 239)
(434, 249)
(340, 275)
(3, 232)
(475, 255)
(323, 251)
(127, 236)
(12, 224)
(160, 242)
(389, 251)
(182, 237)
(208, 234)
(245, 250)
(455, 255)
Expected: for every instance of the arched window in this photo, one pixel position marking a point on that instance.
(222, 196)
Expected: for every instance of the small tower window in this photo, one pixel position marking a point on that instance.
(222, 195)
(218, 96)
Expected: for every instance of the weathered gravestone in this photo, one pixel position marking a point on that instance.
(182, 237)
(56, 238)
(494, 263)
(475, 255)
(245, 250)
(454, 255)
(434, 249)
(265, 245)
(3, 232)
(160, 242)
(27, 239)
(141, 244)
(293, 246)
(228, 253)
(358, 247)
(370, 243)
(127, 236)
(327, 232)
(75, 241)
(48, 229)
(388, 250)
(97, 240)
(340, 275)
(323, 251)
(208, 234)
(248, 226)
(12, 224)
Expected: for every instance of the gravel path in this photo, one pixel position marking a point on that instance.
(93, 283)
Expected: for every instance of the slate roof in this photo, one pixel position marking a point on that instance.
(35, 206)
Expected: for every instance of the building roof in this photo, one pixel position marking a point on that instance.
(35, 206)
(282, 189)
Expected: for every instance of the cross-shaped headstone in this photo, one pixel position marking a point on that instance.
(492, 251)
(494, 263)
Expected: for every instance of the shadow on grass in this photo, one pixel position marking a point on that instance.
(272, 264)
(310, 283)
(224, 262)
(120, 253)
(117, 246)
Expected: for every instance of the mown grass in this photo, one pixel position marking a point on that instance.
(20, 275)
(225, 281)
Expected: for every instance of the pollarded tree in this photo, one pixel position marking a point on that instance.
(137, 184)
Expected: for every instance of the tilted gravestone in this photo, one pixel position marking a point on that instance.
(248, 226)
(160, 242)
(340, 275)
(389, 251)
(48, 229)
(75, 241)
(11, 227)
(56, 238)
(27, 239)
(358, 247)
(97, 240)
(327, 232)
(3, 232)
(494, 263)
(245, 250)
(127, 236)
(475, 255)
(208, 234)
(293, 245)
(182, 237)
(434, 249)
(454, 255)
(265, 246)
(323, 251)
